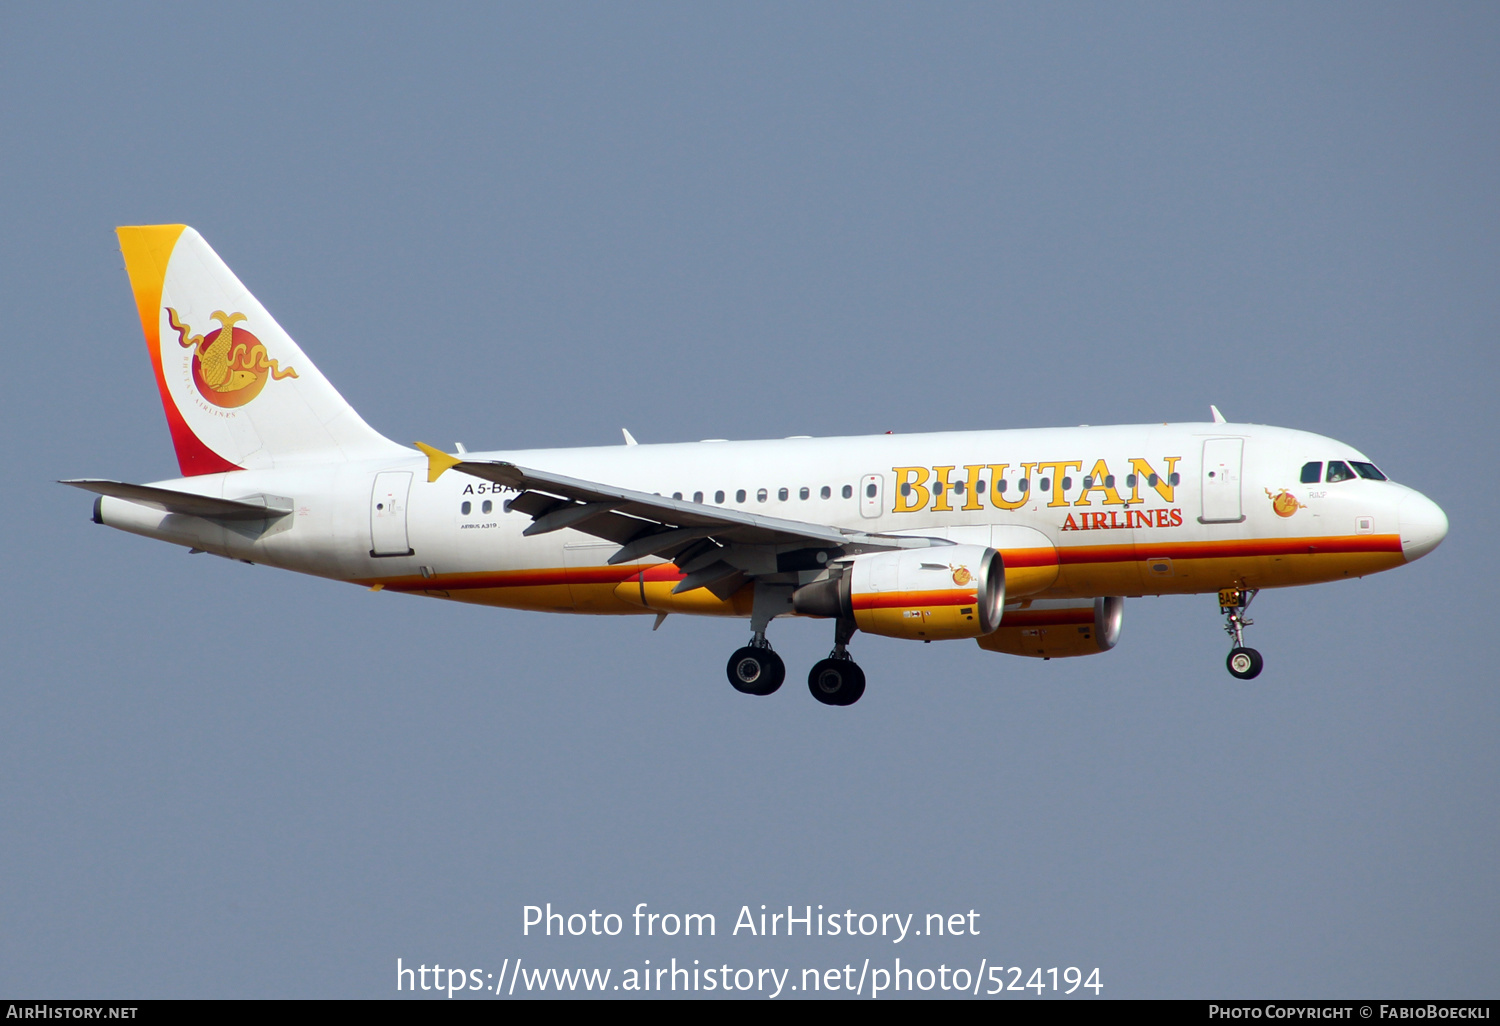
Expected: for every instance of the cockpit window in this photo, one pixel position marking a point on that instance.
(1312, 473)
(1338, 470)
(1368, 471)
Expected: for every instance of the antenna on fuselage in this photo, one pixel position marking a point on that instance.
(1218, 417)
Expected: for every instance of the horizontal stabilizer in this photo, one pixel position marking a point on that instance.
(186, 503)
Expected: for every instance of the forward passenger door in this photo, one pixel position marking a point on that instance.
(1221, 481)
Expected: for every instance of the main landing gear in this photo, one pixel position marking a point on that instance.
(837, 680)
(1244, 663)
(756, 670)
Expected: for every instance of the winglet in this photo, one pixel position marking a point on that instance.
(629, 438)
(1218, 417)
(437, 461)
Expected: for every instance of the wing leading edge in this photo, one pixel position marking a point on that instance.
(715, 548)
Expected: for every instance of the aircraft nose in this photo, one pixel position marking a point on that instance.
(1423, 525)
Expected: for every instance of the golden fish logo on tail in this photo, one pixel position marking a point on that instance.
(230, 365)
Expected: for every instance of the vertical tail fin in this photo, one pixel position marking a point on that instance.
(238, 392)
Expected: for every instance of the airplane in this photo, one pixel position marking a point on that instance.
(1026, 541)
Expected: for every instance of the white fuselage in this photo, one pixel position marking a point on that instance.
(1100, 514)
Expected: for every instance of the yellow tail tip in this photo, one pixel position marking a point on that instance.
(437, 461)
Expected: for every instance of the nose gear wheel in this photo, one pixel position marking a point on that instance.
(1244, 663)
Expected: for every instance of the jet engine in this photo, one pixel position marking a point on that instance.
(948, 591)
(1058, 627)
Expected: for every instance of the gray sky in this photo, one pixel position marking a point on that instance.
(522, 225)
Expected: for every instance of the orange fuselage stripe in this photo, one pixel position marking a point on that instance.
(1067, 556)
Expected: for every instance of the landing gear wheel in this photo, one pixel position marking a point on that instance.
(836, 681)
(756, 670)
(1245, 663)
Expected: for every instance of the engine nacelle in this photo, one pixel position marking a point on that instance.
(1050, 628)
(948, 591)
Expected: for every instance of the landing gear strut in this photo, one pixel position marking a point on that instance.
(837, 680)
(1244, 663)
(755, 669)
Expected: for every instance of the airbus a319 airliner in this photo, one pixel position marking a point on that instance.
(1027, 541)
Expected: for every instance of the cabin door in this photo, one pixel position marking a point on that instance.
(388, 514)
(1221, 480)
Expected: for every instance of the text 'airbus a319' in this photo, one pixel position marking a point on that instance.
(1027, 541)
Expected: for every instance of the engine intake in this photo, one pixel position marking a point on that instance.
(949, 591)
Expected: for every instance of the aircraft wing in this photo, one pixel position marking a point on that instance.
(716, 548)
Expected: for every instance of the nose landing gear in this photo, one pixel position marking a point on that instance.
(1244, 663)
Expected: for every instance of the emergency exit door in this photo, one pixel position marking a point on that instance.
(870, 503)
(388, 514)
(1221, 481)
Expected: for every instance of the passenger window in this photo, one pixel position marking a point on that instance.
(958, 489)
(803, 492)
(1109, 480)
(719, 498)
(826, 492)
(466, 508)
(1312, 472)
(848, 491)
(1129, 480)
(1368, 471)
(1067, 483)
(487, 506)
(1151, 480)
(697, 496)
(762, 495)
(1088, 482)
(739, 496)
(783, 495)
(937, 488)
(677, 495)
(979, 487)
(1024, 484)
(870, 490)
(1176, 479)
(1044, 483)
(1338, 470)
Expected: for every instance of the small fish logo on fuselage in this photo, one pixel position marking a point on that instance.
(1284, 502)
